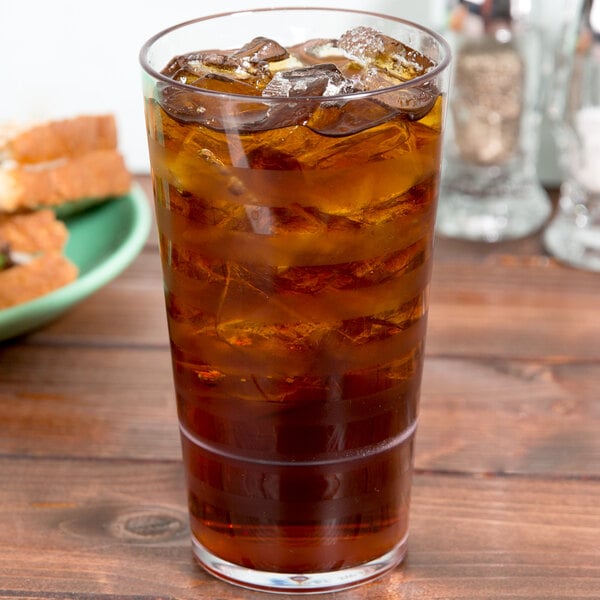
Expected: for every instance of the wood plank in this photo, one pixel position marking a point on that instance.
(525, 330)
(487, 300)
(87, 402)
(500, 416)
(477, 416)
(517, 308)
(514, 308)
(118, 528)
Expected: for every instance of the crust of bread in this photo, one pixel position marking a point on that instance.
(48, 166)
(40, 276)
(33, 232)
(97, 174)
(58, 139)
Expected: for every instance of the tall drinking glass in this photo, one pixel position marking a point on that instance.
(295, 160)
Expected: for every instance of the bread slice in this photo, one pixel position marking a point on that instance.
(56, 167)
(33, 232)
(43, 274)
(38, 238)
(47, 141)
(95, 174)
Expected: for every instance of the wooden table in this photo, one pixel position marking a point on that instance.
(506, 500)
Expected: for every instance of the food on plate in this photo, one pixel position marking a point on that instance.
(46, 141)
(32, 262)
(61, 162)
(49, 168)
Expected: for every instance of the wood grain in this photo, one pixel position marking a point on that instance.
(125, 522)
(521, 308)
(477, 416)
(507, 488)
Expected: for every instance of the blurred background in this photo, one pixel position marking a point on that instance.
(67, 57)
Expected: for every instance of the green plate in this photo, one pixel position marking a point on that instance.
(103, 241)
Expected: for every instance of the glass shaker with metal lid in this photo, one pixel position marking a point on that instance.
(490, 186)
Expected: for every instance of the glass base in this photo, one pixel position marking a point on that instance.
(492, 215)
(299, 583)
(578, 246)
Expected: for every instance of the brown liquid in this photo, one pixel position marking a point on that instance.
(296, 257)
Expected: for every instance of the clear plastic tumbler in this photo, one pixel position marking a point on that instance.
(295, 159)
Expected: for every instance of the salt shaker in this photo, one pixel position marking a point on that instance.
(490, 188)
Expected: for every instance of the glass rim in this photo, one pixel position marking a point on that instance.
(428, 76)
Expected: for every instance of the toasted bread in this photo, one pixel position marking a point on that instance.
(43, 274)
(96, 174)
(47, 141)
(61, 165)
(41, 238)
(33, 232)
(60, 162)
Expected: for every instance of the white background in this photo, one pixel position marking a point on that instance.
(60, 58)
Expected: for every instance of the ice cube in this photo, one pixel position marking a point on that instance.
(277, 116)
(249, 63)
(181, 104)
(261, 49)
(315, 80)
(370, 47)
(414, 101)
(292, 147)
(270, 157)
(215, 72)
(346, 118)
(199, 63)
(189, 67)
(364, 43)
(349, 275)
(291, 62)
(323, 48)
(212, 110)
(228, 85)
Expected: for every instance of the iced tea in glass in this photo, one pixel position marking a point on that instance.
(295, 160)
